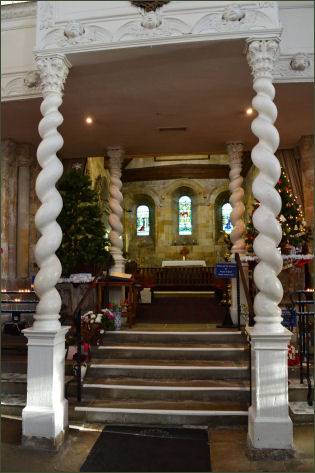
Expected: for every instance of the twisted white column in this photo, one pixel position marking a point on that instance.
(269, 424)
(53, 72)
(45, 415)
(115, 203)
(235, 151)
(261, 57)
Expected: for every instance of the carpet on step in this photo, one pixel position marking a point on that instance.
(149, 449)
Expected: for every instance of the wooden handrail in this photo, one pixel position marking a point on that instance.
(246, 291)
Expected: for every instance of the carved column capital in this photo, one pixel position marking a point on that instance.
(235, 151)
(24, 156)
(115, 153)
(306, 144)
(53, 70)
(8, 150)
(261, 55)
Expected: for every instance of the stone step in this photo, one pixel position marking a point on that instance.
(301, 412)
(13, 383)
(163, 413)
(169, 337)
(152, 389)
(163, 369)
(166, 352)
(298, 391)
(18, 364)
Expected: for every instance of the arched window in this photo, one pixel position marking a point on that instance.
(226, 210)
(143, 220)
(184, 215)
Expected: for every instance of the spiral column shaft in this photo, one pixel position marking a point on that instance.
(115, 203)
(269, 424)
(53, 71)
(261, 56)
(235, 151)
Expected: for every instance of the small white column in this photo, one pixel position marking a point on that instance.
(45, 416)
(235, 152)
(115, 203)
(269, 424)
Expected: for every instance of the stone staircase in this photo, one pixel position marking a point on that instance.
(173, 378)
(158, 378)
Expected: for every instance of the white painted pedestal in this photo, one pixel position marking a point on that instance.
(269, 424)
(45, 416)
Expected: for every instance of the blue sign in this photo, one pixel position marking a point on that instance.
(225, 270)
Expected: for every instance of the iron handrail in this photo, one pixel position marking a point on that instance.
(77, 324)
(250, 305)
(304, 337)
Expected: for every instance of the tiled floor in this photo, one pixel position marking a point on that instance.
(227, 450)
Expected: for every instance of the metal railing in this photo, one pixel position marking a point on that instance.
(251, 322)
(303, 301)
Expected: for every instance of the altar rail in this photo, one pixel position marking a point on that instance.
(179, 278)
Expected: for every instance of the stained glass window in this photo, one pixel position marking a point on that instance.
(184, 216)
(227, 226)
(143, 220)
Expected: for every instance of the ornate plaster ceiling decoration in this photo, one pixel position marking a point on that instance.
(150, 6)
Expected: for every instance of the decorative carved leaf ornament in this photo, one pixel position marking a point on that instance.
(149, 6)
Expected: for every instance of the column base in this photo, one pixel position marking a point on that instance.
(45, 417)
(272, 434)
(269, 424)
(43, 443)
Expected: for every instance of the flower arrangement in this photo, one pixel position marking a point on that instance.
(93, 327)
(120, 312)
(108, 319)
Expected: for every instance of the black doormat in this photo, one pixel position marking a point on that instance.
(147, 449)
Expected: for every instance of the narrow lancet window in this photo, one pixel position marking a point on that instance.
(143, 220)
(227, 226)
(184, 216)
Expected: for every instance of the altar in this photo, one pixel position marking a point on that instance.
(180, 263)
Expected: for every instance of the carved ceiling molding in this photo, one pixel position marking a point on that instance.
(154, 23)
(233, 20)
(166, 27)
(297, 67)
(20, 85)
(75, 34)
(18, 10)
(148, 5)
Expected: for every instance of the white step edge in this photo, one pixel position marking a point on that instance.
(149, 348)
(167, 388)
(160, 411)
(140, 332)
(169, 367)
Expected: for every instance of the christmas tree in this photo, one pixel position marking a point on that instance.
(294, 231)
(83, 244)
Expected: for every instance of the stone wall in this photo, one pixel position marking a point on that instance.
(164, 241)
(19, 203)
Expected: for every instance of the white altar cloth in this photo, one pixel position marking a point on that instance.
(186, 262)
